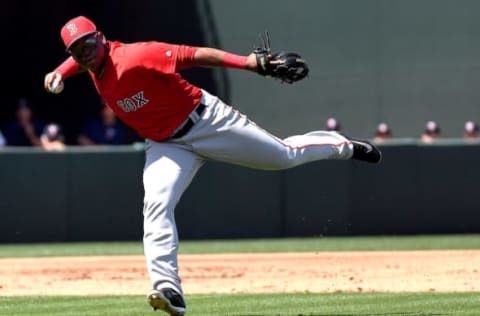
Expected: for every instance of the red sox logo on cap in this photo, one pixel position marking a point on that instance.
(75, 29)
(72, 29)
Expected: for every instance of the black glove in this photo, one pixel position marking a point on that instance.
(288, 67)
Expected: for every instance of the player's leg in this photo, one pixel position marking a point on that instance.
(225, 134)
(255, 148)
(169, 169)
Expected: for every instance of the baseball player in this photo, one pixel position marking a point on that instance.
(184, 126)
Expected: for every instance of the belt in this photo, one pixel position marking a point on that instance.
(192, 118)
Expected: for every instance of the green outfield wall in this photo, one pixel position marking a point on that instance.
(96, 194)
(400, 61)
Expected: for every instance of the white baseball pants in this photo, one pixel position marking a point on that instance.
(222, 134)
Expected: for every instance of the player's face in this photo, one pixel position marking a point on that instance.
(88, 51)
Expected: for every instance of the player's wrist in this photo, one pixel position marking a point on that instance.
(252, 62)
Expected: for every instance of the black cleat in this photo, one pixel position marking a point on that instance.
(168, 301)
(365, 151)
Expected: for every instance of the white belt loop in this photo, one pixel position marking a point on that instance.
(194, 115)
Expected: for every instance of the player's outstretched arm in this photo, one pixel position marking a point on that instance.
(288, 67)
(212, 57)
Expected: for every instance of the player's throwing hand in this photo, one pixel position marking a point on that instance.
(53, 82)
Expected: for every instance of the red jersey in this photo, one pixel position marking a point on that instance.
(141, 84)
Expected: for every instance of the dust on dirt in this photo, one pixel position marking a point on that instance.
(320, 272)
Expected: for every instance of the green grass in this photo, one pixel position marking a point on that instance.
(335, 244)
(251, 245)
(71, 249)
(338, 304)
(304, 304)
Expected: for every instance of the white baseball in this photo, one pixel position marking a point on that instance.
(57, 85)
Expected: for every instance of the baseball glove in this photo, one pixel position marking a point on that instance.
(287, 67)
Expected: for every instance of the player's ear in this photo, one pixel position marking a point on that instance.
(102, 37)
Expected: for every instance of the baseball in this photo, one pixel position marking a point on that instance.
(57, 85)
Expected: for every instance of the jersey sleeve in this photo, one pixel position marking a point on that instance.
(185, 57)
(68, 68)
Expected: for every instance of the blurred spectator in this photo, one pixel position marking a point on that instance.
(431, 132)
(3, 142)
(24, 129)
(333, 124)
(105, 130)
(471, 130)
(382, 133)
(52, 138)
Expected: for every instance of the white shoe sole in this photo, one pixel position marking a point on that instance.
(159, 302)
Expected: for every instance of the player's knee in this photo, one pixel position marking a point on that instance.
(282, 162)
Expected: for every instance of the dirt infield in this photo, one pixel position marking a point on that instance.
(404, 271)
